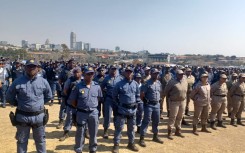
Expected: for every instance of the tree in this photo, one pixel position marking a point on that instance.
(66, 52)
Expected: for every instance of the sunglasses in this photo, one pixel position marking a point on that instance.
(89, 73)
(31, 66)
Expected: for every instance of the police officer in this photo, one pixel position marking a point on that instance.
(107, 87)
(64, 75)
(126, 95)
(85, 98)
(4, 83)
(237, 93)
(151, 95)
(219, 101)
(164, 79)
(140, 107)
(29, 93)
(176, 90)
(99, 78)
(52, 77)
(147, 74)
(70, 110)
(190, 80)
(201, 97)
(229, 85)
(17, 70)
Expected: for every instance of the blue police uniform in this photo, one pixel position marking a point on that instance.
(87, 113)
(109, 83)
(64, 75)
(99, 79)
(52, 77)
(31, 95)
(4, 85)
(126, 95)
(140, 111)
(70, 110)
(152, 106)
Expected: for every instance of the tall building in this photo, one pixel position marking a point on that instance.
(24, 44)
(87, 47)
(73, 41)
(117, 48)
(79, 45)
(3, 43)
(47, 42)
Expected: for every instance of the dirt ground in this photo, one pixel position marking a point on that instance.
(231, 139)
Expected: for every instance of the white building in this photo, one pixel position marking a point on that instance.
(72, 41)
(87, 47)
(36, 46)
(24, 44)
(79, 45)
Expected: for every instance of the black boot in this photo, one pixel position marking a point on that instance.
(51, 103)
(65, 135)
(195, 130)
(212, 125)
(204, 128)
(184, 122)
(138, 130)
(168, 113)
(132, 147)
(187, 111)
(157, 139)
(239, 122)
(115, 148)
(92, 151)
(233, 123)
(229, 115)
(142, 141)
(220, 124)
(170, 134)
(161, 114)
(178, 133)
(59, 126)
(106, 135)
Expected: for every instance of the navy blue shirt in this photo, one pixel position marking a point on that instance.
(152, 90)
(87, 98)
(31, 94)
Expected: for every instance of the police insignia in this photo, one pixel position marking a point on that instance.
(32, 61)
(82, 91)
(90, 69)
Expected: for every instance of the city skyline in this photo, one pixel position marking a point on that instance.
(180, 27)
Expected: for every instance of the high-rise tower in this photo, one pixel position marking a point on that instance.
(72, 41)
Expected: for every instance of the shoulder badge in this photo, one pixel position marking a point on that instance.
(81, 91)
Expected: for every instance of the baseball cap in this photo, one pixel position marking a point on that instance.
(89, 70)
(154, 70)
(138, 75)
(129, 69)
(223, 76)
(179, 72)
(32, 62)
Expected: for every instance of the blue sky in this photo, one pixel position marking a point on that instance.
(174, 26)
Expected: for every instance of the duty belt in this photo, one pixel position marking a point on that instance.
(220, 95)
(239, 95)
(29, 113)
(153, 102)
(71, 106)
(129, 106)
(109, 96)
(125, 116)
(84, 111)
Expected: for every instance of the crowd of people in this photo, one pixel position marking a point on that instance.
(129, 94)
